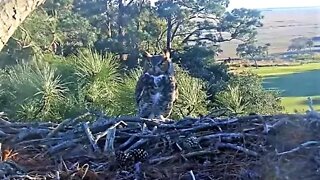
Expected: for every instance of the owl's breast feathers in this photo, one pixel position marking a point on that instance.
(149, 86)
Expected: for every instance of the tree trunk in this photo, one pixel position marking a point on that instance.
(121, 32)
(169, 32)
(255, 63)
(12, 14)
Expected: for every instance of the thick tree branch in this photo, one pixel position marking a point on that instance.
(12, 14)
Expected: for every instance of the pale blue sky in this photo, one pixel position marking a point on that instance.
(271, 3)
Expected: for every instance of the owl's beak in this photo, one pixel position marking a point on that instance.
(166, 54)
(156, 69)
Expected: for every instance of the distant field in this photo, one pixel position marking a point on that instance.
(280, 26)
(296, 83)
(285, 70)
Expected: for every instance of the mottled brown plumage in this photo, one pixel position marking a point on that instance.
(156, 90)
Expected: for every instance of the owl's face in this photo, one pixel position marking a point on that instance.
(158, 64)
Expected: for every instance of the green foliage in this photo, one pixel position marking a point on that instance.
(232, 100)
(98, 78)
(125, 98)
(199, 61)
(33, 90)
(251, 50)
(248, 95)
(190, 21)
(192, 98)
(241, 23)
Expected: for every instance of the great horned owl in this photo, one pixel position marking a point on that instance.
(156, 89)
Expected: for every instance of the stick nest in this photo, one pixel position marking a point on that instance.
(250, 147)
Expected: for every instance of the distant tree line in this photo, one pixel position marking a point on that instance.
(300, 43)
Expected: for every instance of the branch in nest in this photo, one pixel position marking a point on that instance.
(130, 140)
(239, 148)
(137, 144)
(188, 155)
(108, 147)
(24, 177)
(90, 137)
(137, 172)
(208, 126)
(65, 123)
(3, 119)
(148, 122)
(104, 133)
(26, 133)
(304, 145)
(141, 141)
(62, 146)
(227, 135)
(47, 141)
(111, 134)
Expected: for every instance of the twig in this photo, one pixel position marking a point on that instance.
(188, 155)
(141, 141)
(137, 171)
(109, 143)
(90, 137)
(51, 140)
(59, 127)
(104, 133)
(137, 144)
(130, 140)
(62, 146)
(304, 145)
(239, 148)
(26, 133)
(209, 125)
(23, 177)
(219, 135)
(2, 120)
(137, 119)
(192, 175)
(65, 123)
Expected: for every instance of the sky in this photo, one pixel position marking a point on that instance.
(273, 3)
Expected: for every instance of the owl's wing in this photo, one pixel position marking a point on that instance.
(140, 87)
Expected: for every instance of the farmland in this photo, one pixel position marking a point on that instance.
(296, 81)
(280, 26)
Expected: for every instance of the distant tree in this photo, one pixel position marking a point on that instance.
(252, 51)
(310, 44)
(300, 43)
(266, 48)
(206, 22)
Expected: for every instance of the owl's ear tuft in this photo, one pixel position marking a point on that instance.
(147, 55)
(166, 54)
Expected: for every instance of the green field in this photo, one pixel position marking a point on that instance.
(296, 83)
